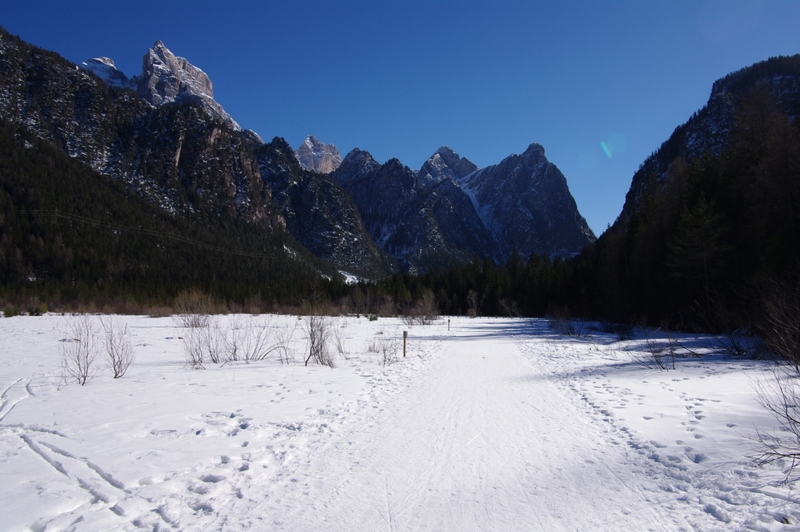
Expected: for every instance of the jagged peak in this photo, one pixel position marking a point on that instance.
(317, 156)
(534, 149)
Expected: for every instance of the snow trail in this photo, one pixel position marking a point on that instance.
(483, 441)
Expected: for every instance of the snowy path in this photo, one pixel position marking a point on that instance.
(484, 441)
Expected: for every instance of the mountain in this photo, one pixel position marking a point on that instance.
(523, 202)
(180, 155)
(162, 137)
(709, 129)
(710, 224)
(165, 78)
(105, 69)
(402, 217)
(444, 164)
(317, 156)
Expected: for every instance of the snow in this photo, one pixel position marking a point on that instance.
(487, 424)
(351, 278)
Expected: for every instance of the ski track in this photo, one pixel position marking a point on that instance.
(481, 442)
(495, 425)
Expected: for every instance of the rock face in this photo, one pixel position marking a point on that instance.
(104, 68)
(444, 164)
(450, 211)
(709, 129)
(317, 156)
(423, 227)
(165, 78)
(523, 204)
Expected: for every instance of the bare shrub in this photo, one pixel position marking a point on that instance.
(317, 331)
(623, 331)
(781, 397)
(563, 324)
(424, 311)
(338, 339)
(782, 327)
(79, 351)
(233, 339)
(259, 344)
(192, 308)
(119, 351)
(474, 302)
(193, 349)
(510, 308)
(388, 347)
(203, 344)
(659, 355)
(387, 308)
(253, 340)
(283, 342)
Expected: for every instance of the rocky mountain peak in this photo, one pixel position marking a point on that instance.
(167, 78)
(525, 203)
(104, 68)
(318, 156)
(444, 164)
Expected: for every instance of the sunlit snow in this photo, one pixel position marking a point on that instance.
(486, 424)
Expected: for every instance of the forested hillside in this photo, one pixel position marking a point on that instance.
(69, 234)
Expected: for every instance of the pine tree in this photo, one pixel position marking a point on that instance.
(700, 250)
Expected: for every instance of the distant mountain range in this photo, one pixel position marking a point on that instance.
(162, 135)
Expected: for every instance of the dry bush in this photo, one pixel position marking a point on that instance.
(119, 351)
(474, 303)
(387, 346)
(510, 308)
(561, 322)
(202, 344)
(424, 311)
(338, 338)
(317, 329)
(387, 307)
(79, 351)
(781, 396)
(192, 308)
(283, 341)
(253, 339)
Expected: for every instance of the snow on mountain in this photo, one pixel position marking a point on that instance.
(104, 68)
(165, 78)
(444, 164)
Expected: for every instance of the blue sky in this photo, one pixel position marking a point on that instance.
(599, 84)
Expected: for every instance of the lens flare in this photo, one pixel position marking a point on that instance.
(615, 144)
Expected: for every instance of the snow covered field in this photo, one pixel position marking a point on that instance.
(492, 425)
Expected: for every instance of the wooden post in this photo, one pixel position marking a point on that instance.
(448, 324)
(405, 337)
